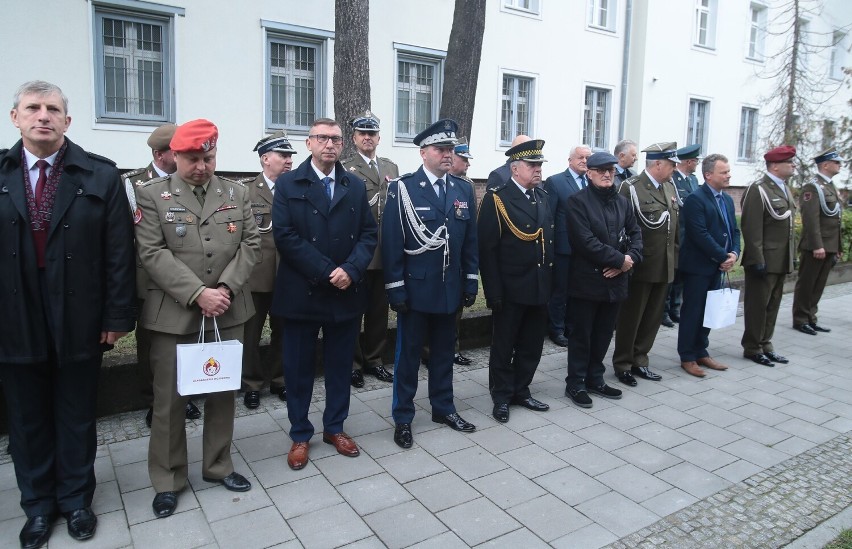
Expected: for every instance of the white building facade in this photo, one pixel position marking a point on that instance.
(567, 71)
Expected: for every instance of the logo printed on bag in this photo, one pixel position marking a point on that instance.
(211, 367)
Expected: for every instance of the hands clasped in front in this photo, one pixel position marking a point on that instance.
(612, 272)
(214, 301)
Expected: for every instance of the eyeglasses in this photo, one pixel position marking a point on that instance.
(323, 139)
(609, 170)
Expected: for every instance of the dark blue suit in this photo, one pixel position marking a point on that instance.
(432, 292)
(314, 237)
(706, 243)
(559, 187)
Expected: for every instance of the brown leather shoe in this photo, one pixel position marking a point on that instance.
(710, 363)
(343, 443)
(298, 456)
(692, 369)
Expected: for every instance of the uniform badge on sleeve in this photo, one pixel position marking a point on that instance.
(806, 196)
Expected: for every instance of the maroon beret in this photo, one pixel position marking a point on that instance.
(780, 154)
(195, 135)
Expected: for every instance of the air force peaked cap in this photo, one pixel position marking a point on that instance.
(825, 156)
(463, 149)
(441, 133)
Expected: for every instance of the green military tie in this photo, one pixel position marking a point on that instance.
(199, 193)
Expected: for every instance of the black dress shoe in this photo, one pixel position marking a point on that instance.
(581, 398)
(559, 339)
(501, 412)
(761, 359)
(806, 329)
(462, 360)
(164, 504)
(455, 421)
(192, 411)
(402, 435)
(282, 393)
(667, 322)
(81, 523)
(357, 379)
(626, 378)
(380, 373)
(645, 373)
(234, 482)
(819, 328)
(252, 399)
(531, 404)
(675, 317)
(149, 416)
(36, 531)
(774, 357)
(605, 391)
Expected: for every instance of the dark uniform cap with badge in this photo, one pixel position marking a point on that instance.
(441, 134)
(160, 139)
(276, 142)
(194, 136)
(601, 159)
(780, 154)
(662, 151)
(530, 151)
(365, 122)
(828, 155)
(463, 149)
(689, 152)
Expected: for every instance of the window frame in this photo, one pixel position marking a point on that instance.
(743, 141)
(144, 13)
(711, 10)
(611, 15)
(837, 56)
(705, 119)
(531, 104)
(509, 6)
(757, 32)
(584, 136)
(423, 56)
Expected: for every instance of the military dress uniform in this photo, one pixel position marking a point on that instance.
(768, 256)
(657, 211)
(822, 220)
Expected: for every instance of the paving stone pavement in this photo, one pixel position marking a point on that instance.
(749, 457)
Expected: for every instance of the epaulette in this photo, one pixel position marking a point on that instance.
(403, 176)
(632, 179)
(235, 181)
(133, 173)
(156, 180)
(388, 160)
(496, 188)
(348, 160)
(245, 180)
(100, 158)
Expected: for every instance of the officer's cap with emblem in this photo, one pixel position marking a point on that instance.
(825, 156)
(160, 138)
(601, 159)
(441, 134)
(780, 154)
(529, 151)
(194, 136)
(661, 151)
(276, 142)
(689, 152)
(365, 122)
(463, 149)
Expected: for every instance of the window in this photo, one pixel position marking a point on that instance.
(295, 76)
(531, 6)
(804, 42)
(696, 131)
(596, 118)
(133, 66)
(602, 14)
(705, 23)
(418, 91)
(757, 32)
(515, 107)
(748, 134)
(838, 59)
(829, 133)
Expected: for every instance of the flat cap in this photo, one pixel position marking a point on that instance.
(661, 151)
(825, 156)
(780, 154)
(463, 149)
(195, 135)
(689, 152)
(160, 138)
(529, 151)
(443, 132)
(600, 160)
(277, 142)
(365, 122)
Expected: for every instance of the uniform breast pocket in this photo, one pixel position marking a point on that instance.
(229, 226)
(462, 214)
(426, 214)
(651, 212)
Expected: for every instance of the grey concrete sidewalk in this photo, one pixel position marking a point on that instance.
(749, 457)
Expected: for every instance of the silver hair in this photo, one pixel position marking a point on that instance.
(622, 146)
(709, 162)
(575, 147)
(41, 88)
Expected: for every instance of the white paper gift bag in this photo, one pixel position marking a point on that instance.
(720, 309)
(209, 367)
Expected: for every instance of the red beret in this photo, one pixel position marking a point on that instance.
(195, 135)
(780, 154)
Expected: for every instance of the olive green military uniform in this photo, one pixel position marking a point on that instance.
(820, 229)
(262, 282)
(766, 241)
(371, 345)
(639, 316)
(186, 247)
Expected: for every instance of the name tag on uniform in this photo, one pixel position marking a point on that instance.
(422, 208)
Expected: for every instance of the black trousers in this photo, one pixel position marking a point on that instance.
(588, 342)
(516, 343)
(557, 307)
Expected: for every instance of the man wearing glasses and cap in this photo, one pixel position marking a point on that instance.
(429, 258)
(516, 250)
(276, 158)
(820, 244)
(375, 172)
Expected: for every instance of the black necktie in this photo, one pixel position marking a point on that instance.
(581, 181)
(531, 195)
(440, 184)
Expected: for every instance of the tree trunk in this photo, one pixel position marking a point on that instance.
(461, 71)
(351, 65)
(790, 108)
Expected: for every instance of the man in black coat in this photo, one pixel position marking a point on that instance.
(606, 243)
(69, 284)
(516, 261)
(502, 173)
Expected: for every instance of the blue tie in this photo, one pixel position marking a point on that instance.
(724, 210)
(327, 182)
(581, 180)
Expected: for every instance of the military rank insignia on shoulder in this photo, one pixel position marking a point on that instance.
(388, 160)
(497, 187)
(133, 173)
(156, 180)
(403, 176)
(100, 158)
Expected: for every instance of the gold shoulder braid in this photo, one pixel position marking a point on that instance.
(526, 237)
